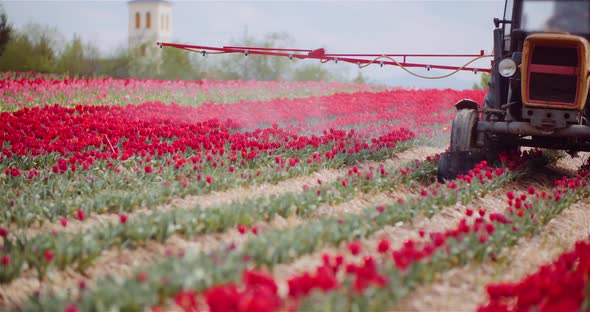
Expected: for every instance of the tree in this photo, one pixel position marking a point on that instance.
(78, 58)
(31, 49)
(115, 65)
(176, 64)
(311, 72)
(18, 54)
(359, 79)
(5, 32)
(44, 60)
(255, 67)
(483, 83)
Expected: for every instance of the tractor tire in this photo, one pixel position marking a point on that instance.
(464, 132)
(452, 164)
(463, 154)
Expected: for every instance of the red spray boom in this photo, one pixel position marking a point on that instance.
(362, 60)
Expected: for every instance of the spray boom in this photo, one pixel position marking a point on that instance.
(362, 60)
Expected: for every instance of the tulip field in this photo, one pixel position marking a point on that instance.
(148, 195)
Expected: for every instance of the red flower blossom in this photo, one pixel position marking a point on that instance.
(242, 229)
(141, 277)
(510, 195)
(3, 231)
(500, 218)
(48, 255)
(71, 308)
(355, 248)
(123, 218)
(383, 246)
(222, 298)
(187, 300)
(80, 214)
(531, 190)
(483, 238)
(5, 260)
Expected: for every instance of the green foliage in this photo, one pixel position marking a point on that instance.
(311, 72)
(360, 79)
(5, 32)
(282, 245)
(255, 67)
(176, 64)
(37, 48)
(78, 59)
(483, 84)
(33, 49)
(116, 66)
(17, 54)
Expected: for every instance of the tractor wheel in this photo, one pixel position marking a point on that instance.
(463, 154)
(464, 131)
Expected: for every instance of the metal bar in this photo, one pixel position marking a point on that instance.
(363, 61)
(404, 55)
(558, 144)
(267, 49)
(525, 129)
(188, 46)
(321, 57)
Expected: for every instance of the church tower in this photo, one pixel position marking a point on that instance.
(150, 21)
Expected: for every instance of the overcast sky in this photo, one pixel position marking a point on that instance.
(338, 26)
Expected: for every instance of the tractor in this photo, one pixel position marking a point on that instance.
(538, 89)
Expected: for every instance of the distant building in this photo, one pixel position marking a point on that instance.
(150, 21)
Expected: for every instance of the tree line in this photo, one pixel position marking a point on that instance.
(39, 48)
(42, 49)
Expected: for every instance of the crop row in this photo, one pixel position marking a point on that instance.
(28, 91)
(197, 272)
(563, 285)
(59, 161)
(51, 196)
(83, 248)
(377, 283)
(48, 186)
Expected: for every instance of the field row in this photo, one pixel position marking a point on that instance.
(21, 90)
(332, 231)
(330, 202)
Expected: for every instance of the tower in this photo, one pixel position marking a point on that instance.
(150, 21)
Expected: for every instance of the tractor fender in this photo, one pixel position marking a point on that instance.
(467, 104)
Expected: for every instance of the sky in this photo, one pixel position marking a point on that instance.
(411, 26)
